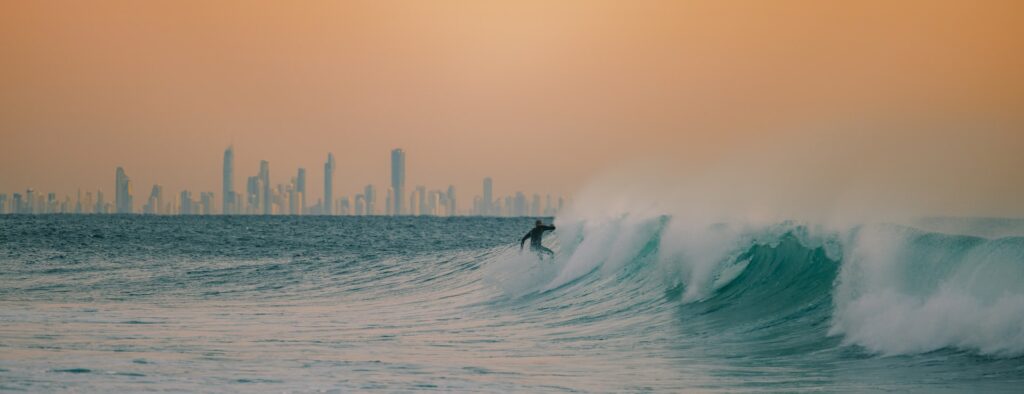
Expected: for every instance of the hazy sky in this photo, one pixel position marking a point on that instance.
(539, 95)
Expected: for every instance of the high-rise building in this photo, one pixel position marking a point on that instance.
(101, 206)
(520, 205)
(155, 202)
(488, 198)
(206, 203)
(370, 194)
(252, 193)
(265, 202)
(122, 192)
(88, 204)
(451, 201)
(16, 203)
(343, 206)
(186, 203)
(228, 190)
(329, 185)
(3, 204)
(30, 201)
(398, 180)
(421, 196)
(360, 205)
(535, 205)
(300, 189)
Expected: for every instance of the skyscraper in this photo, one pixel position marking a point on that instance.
(300, 188)
(186, 203)
(488, 198)
(398, 180)
(122, 192)
(265, 202)
(328, 205)
(370, 194)
(228, 191)
(252, 194)
(451, 201)
(155, 202)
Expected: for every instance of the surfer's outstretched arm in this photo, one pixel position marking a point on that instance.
(523, 241)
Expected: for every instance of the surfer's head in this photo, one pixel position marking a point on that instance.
(539, 222)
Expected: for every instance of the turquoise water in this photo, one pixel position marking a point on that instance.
(260, 304)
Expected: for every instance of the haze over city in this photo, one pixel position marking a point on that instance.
(540, 96)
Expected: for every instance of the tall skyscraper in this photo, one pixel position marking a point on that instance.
(228, 191)
(370, 194)
(122, 192)
(265, 202)
(398, 180)
(155, 202)
(186, 203)
(451, 201)
(488, 198)
(328, 204)
(300, 188)
(252, 194)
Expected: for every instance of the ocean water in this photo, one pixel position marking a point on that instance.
(296, 304)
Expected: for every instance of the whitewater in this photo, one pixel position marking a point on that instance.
(632, 302)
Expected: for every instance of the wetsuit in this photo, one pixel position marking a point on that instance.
(535, 236)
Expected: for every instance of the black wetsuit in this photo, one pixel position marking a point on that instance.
(535, 236)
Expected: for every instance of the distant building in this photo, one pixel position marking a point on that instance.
(421, 196)
(398, 180)
(487, 199)
(155, 202)
(206, 203)
(329, 185)
(185, 206)
(122, 192)
(300, 189)
(252, 195)
(265, 202)
(452, 207)
(370, 195)
(344, 207)
(520, 208)
(228, 188)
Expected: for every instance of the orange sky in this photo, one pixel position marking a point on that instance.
(539, 95)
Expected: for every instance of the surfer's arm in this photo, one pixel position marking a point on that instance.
(523, 241)
(549, 228)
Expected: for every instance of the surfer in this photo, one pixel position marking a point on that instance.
(535, 236)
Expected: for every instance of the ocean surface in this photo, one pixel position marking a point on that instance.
(296, 304)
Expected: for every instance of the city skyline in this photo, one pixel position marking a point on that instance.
(538, 96)
(264, 197)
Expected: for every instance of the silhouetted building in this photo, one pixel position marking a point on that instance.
(488, 198)
(398, 180)
(329, 185)
(265, 202)
(227, 205)
(122, 192)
